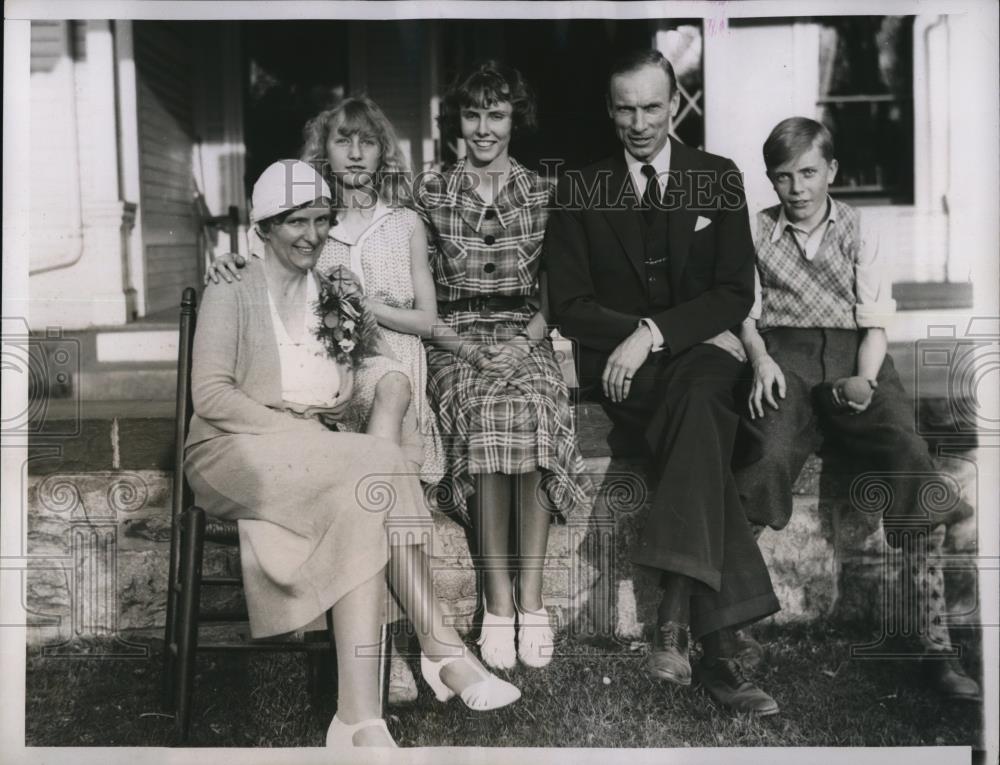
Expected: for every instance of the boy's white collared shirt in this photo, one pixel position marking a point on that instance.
(873, 290)
(808, 241)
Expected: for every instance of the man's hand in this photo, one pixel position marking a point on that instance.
(853, 393)
(623, 363)
(225, 267)
(766, 376)
(731, 344)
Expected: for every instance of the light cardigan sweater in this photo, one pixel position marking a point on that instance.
(236, 371)
(309, 530)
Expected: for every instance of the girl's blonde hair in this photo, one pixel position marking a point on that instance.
(359, 114)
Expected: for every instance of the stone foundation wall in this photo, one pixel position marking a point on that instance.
(98, 542)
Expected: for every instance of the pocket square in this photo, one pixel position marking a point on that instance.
(702, 222)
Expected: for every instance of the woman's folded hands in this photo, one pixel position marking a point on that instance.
(327, 415)
(501, 360)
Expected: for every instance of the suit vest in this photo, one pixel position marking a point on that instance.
(657, 261)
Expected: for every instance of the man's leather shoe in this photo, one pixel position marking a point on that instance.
(725, 682)
(668, 660)
(946, 676)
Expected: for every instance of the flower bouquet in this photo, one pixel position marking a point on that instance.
(346, 328)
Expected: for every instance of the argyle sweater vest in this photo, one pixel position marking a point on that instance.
(800, 293)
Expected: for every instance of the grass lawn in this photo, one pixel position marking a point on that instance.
(590, 696)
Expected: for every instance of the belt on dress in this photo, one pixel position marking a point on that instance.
(485, 303)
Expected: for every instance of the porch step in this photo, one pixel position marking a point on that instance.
(136, 362)
(932, 296)
(141, 384)
(73, 391)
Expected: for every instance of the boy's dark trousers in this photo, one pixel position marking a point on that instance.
(882, 437)
(909, 491)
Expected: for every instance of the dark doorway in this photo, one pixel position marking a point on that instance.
(566, 61)
(294, 69)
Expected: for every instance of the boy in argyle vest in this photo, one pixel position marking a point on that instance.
(817, 343)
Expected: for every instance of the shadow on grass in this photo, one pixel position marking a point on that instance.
(589, 696)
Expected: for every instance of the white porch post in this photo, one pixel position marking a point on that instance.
(106, 218)
(128, 157)
(972, 192)
(930, 149)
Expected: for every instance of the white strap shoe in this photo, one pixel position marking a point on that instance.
(535, 640)
(340, 735)
(496, 641)
(489, 693)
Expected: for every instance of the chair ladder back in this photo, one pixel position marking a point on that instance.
(181, 496)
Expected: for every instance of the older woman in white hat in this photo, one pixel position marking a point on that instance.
(258, 452)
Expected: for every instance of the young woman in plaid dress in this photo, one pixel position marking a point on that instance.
(502, 403)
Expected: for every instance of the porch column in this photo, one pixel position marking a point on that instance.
(973, 163)
(107, 219)
(128, 155)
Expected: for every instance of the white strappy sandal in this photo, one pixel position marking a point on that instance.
(535, 639)
(489, 693)
(340, 735)
(496, 641)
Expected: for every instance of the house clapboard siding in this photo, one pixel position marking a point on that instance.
(170, 223)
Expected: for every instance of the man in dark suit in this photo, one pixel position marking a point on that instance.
(650, 264)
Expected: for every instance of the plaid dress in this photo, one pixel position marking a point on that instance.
(523, 423)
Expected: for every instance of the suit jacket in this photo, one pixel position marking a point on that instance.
(594, 255)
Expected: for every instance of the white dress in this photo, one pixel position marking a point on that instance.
(380, 258)
(309, 377)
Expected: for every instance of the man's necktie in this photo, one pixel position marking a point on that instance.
(651, 195)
